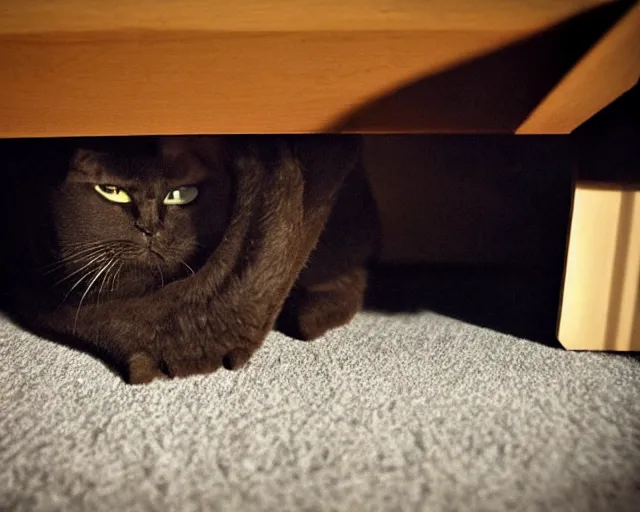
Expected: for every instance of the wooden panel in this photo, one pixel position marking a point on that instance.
(45, 16)
(201, 83)
(89, 67)
(601, 298)
(607, 71)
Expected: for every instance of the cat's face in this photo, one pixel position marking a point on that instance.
(128, 221)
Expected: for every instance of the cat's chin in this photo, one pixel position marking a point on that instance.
(136, 280)
(136, 277)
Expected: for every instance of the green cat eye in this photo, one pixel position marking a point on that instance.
(181, 196)
(113, 193)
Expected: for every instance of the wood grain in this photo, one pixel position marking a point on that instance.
(86, 16)
(609, 69)
(203, 83)
(88, 67)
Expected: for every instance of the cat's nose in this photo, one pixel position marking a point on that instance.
(146, 230)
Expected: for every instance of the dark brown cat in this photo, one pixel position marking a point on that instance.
(174, 256)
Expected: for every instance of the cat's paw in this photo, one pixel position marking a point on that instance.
(144, 368)
(311, 311)
(237, 358)
(310, 317)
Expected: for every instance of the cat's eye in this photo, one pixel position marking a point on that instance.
(181, 196)
(113, 193)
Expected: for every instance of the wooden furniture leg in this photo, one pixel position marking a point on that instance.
(601, 297)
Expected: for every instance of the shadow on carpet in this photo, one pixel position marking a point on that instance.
(521, 303)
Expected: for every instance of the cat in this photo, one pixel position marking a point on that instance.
(172, 256)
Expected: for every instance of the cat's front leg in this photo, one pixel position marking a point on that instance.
(231, 304)
(234, 301)
(203, 344)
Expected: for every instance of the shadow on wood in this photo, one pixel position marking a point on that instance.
(492, 93)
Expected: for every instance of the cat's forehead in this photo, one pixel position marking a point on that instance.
(149, 168)
(115, 166)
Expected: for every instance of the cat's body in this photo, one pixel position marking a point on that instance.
(173, 256)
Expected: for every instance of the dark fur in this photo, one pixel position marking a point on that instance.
(265, 204)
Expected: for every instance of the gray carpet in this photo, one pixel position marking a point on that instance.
(394, 412)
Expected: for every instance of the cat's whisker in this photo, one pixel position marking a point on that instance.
(100, 245)
(87, 244)
(95, 278)
(96, 259)
(77, 283)
(110, 264)
(75, 258)
(193, 273)
(85, 250)
(161, 275)
(115, 241)
(111, 279)
(70, 257)
(116, 277)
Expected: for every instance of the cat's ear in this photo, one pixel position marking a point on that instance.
(326, 160)
(86, 163)
(205, 148)
(327, 154)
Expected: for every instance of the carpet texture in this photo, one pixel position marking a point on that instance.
(410, 411)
